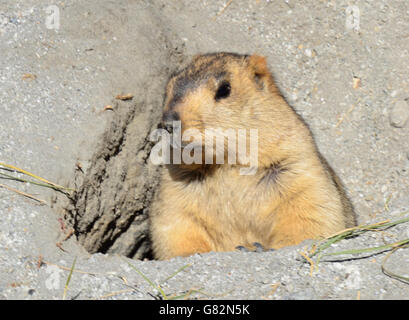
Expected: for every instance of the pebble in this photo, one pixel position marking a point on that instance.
(399, 114)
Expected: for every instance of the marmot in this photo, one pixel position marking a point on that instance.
(294, 195)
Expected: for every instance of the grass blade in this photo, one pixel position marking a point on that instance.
(23, 194)
(389, 273)
(9, 177)
(365, 250)
(175, 273)
(156, 287)
(69, 279)
(33, 175)
(343, 234)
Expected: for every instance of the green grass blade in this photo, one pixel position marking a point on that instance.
(178, 271)
(69, 279)
(5, 165)
(357, 231)
(9, 177)
(165, 297)
(391, 274)
(365, 250)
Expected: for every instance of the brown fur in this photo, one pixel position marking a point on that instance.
(293, 196)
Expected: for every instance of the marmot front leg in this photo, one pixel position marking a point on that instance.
(180, 237)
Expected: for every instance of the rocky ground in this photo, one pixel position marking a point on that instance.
(342, 65)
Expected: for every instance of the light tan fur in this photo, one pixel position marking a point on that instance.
(293, 196)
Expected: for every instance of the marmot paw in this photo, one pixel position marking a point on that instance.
(258, 248)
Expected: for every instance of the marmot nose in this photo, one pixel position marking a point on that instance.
(168, 118)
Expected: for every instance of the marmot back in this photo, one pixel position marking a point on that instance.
(292, 194)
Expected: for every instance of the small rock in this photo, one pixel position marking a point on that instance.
(356, 83)
(310, 53)
(399, 114)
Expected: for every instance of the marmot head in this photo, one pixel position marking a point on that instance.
(224, 91)
(215, 87)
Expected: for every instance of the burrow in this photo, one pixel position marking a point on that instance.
(109, 211)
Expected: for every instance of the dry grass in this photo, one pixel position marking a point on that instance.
(39, 181)
(318, 250)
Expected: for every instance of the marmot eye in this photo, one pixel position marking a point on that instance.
(223, 91)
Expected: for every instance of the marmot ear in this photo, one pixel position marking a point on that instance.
(258, 65)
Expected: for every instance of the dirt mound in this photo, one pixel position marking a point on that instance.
(109, 210)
